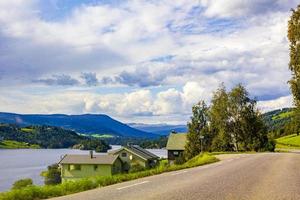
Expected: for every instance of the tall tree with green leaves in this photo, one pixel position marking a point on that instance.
(196, 128)
(294, 65)
(237, 102)
(219, 117)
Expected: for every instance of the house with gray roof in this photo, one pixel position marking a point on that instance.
(75, 167)
(134, 155)
(176, 145)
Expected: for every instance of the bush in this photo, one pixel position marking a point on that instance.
(271, 145)
(22, 183)
(53, 175)
(136, 168)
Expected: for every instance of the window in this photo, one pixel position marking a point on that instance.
(175, 153)
(95, 167)
(74, 167)
(124, 154)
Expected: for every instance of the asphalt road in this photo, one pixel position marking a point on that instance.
(253, 176)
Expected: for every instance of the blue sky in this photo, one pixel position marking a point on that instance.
(140, 61)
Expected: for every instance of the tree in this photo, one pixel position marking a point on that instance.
(196, 128)
(294, 65)
(219, 117)
(53, 175)
(22, 183)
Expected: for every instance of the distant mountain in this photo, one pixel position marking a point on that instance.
(86, 124)
(160, 129)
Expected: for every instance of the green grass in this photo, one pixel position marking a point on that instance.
(70, 187)
(102, 136)
(97, 135)
(27, 130)
(289, 142)
(11, 144)
(283, 115)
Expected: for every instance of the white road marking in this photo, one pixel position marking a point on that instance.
(178, 173)
(128, 186)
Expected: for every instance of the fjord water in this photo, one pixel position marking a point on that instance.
(16, 164)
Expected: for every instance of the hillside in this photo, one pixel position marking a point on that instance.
(160, 129)
(276, 120)
(86, 124)
(290, 141)
(12, 136)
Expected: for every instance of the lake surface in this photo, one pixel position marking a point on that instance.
(16, 164)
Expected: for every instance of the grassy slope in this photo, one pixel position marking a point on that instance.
(11, 144)
(69, 187)
(283, 115)
(290, 141)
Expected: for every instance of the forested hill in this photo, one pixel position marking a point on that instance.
(85, 124)
(50, 137)
(277, 121)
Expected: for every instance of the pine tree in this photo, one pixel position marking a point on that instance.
(196, 128)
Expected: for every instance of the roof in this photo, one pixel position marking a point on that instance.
(86, 159)
(176, 141)
(137, 150)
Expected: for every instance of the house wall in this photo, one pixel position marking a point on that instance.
(87, 170)
(129, 162)
(172, 154)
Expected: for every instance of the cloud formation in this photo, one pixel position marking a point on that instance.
(62, 80)
(151, 60)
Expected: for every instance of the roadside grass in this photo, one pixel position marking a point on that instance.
(11, 144)
(288, 142)
(70, 187)
(232, 152)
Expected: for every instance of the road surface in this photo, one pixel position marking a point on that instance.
(266, 176)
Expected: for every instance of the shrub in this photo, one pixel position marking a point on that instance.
(22, 183)
(136, 168)
(53, 175)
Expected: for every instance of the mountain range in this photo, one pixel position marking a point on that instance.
(159, 129)
(84, 124)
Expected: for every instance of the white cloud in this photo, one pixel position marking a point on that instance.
(281, 102)
(204, 43)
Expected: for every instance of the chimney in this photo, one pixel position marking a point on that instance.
(91, 154)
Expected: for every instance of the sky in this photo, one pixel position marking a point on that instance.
(140, 61)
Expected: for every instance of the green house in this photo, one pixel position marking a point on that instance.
(176, 145)
(133, 155)
(82, 166)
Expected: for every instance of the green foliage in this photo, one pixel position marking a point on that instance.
(70, 187)
(136, 168)
(232, 123)
(10, 144)
(50, 137)
(278, 121)
(156, 143)
(22, 183)
(294, 65)
(196, 128)
(53, 175)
